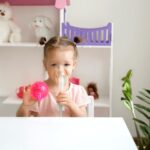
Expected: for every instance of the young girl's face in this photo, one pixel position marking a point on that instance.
(60, 61)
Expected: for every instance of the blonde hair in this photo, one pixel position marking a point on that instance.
(57, 42)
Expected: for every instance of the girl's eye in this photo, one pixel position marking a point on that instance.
(66, 65)
(53, 65)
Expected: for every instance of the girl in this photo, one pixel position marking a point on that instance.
(60, 56)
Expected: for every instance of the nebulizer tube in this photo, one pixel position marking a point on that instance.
(61, 88)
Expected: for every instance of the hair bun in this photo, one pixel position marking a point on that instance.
(77, 39)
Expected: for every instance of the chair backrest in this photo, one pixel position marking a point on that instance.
(90, 106)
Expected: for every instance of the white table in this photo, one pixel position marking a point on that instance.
(64, 134)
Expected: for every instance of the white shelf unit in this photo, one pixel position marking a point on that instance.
(12, 63)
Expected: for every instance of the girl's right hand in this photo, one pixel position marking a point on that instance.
(27, 99)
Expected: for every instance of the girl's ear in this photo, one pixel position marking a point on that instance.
(74, 64)
(44, 64)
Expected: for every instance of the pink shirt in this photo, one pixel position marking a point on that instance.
(49, 106)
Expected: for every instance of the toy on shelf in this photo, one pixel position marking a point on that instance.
(9, 30)
(92, 90)
(100, 36)
(75, 80)
(89, 36)
(43, 29)
(38, 91)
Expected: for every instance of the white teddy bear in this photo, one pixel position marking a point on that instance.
(43, 29)
(9, 31)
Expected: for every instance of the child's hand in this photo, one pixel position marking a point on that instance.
(63, 98)
(27, 100)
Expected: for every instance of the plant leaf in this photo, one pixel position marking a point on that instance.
(148, 91)
(145, 130)
(127, 76)
(143, 99)
(141, 122)
(126, 86)
(127, 95)
(142, 112)
(145, 94)
(127, 104)
(142, 107)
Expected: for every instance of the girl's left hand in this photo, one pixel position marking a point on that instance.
(63, 98)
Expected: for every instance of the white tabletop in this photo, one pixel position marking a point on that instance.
(64, 134)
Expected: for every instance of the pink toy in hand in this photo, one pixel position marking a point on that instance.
(39, 90)
(20, 91)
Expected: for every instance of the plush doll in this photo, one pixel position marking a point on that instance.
(92, 90)
(9, 31)
(43, 29)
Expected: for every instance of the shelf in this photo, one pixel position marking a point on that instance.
(92, 46)
(2, 98)
(31, 2)
(23, 44)
(12, 100)
(102, 102)
(29, 44)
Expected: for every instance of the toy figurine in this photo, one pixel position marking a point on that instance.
(43, 29)
(92, 90)
(9, 30)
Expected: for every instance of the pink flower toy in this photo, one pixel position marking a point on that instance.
(38, 91)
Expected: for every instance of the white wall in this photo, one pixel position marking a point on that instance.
(131, 20)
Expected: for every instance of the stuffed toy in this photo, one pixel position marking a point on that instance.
(92, 90)
(43, 29)
(9, 31)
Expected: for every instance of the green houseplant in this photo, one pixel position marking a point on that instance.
(142, 126)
